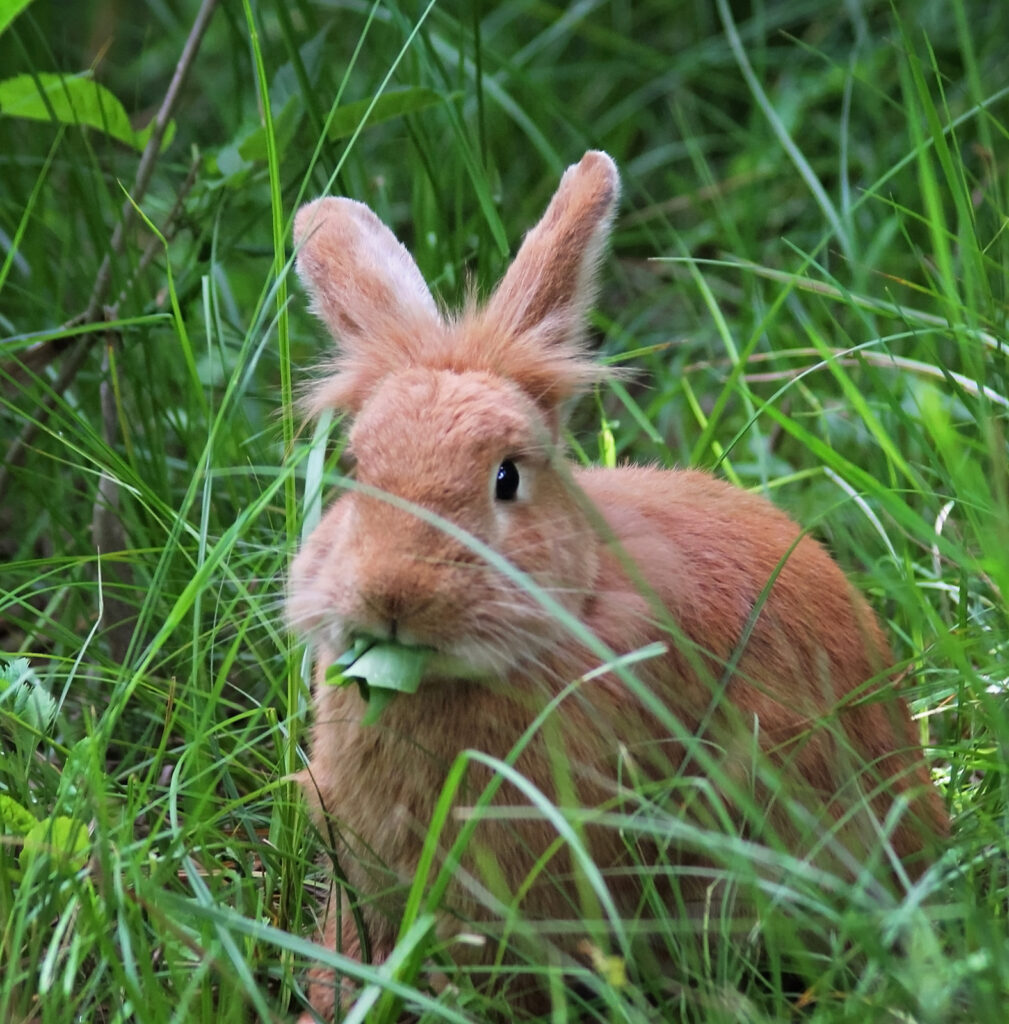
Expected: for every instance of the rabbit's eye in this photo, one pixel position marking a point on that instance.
(507, 483)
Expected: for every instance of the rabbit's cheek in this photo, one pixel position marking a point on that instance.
(559, 553)
(318, 610)
(308, 597)
(322, 579)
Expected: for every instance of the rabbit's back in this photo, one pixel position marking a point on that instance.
(722, 560)
(766, 636)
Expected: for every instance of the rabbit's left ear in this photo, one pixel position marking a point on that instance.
(369, 291)
(358, 274)
(544, 297)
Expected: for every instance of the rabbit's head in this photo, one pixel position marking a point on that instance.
(455, 424)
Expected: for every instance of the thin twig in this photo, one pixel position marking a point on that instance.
(107, 531)
(149, 157)
(154, 246)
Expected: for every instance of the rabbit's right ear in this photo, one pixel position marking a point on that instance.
(368, 290)
(553, 274)
(542, 302)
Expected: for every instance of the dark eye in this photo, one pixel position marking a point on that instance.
(507, 484)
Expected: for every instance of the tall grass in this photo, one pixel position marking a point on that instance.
(809, 277)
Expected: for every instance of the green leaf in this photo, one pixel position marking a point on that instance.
(35, 706)
(73, 100)
(84, 760)
(381, 670)
(15, 672)
(9, 10)
(64, 840)
(30, 702)
(14, 818)
(377, 700)
(335, 674)
(253, 146)
(391, 667)
(397, 103)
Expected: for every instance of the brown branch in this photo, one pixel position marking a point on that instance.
(41, 353)
(149, 157)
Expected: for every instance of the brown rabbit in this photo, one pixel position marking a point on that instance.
(767, 647)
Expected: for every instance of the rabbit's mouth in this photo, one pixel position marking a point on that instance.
(412, 662)
(384, 670)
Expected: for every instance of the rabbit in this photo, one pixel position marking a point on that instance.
(456, 431)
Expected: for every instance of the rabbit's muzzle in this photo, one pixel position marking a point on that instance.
(409, 580)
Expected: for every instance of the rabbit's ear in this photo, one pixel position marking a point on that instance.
(367, 288)
(356, 270)
(547, 291)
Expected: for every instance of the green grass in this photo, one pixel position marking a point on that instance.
(809, 276)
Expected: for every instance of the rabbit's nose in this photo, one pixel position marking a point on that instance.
(392, 614)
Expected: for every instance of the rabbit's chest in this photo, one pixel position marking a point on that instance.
(379, 785)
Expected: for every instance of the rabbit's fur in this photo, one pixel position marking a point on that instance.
(768, 645)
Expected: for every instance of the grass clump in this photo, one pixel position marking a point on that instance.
(810, 274)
